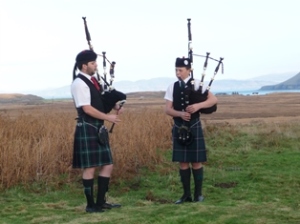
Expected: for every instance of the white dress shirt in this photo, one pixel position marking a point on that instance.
(81, 92)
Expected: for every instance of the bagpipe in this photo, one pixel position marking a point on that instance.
(197, 96)
(110, 95)
(192, 96)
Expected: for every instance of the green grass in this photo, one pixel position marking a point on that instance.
(252, 176)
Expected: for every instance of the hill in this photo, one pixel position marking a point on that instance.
(290, 84)
(146, 94)
(16, 98)
(161, 84)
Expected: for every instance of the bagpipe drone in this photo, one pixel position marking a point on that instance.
(197, 96)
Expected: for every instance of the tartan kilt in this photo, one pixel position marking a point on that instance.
(87, 151)
(196, 151)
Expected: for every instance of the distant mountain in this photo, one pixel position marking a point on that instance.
(29, 99)
(161, 84)
(290, 84)
(277, 77)
(155, 84)
(61, 92)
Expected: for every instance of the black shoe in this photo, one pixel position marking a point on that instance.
(93, 209)
(184, 199)
(109, 206)
(199, 199)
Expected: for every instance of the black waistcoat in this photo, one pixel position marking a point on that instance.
(181, 99)
(96, 100)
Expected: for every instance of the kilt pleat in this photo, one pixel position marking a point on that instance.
(196, 151)
(87, 151)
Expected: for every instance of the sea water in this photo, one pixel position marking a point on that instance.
(253, 92)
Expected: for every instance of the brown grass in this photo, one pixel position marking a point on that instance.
(36, 141)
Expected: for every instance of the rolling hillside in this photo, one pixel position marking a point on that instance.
(290, 84)
(17, 98)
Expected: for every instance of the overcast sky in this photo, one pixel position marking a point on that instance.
(39, 40)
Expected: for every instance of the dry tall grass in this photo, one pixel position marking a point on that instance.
(37, 145)
(36, 141)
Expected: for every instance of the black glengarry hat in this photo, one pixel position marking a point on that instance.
(83, 58)
(183, 62)
(86, 56)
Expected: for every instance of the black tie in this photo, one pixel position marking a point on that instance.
(181, 84)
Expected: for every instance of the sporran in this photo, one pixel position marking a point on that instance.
(103, 135)
(185, 136)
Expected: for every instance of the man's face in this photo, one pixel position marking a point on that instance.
(90, 68)
(182, 72)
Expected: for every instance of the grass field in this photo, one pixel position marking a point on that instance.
(252, 173)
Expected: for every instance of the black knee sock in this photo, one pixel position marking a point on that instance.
(198, 179)
(88, 191)
(186, 181)
(102, 188)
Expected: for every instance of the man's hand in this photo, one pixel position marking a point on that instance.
(120, 110)
(113, 118)
(119, 107)
(185, 116)
(193, 108)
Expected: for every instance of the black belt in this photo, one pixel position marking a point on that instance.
(81, 119)
(179, 122)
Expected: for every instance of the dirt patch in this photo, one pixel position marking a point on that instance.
(226, 185)
(150, 197)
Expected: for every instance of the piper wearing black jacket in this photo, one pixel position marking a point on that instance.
(188, 141)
